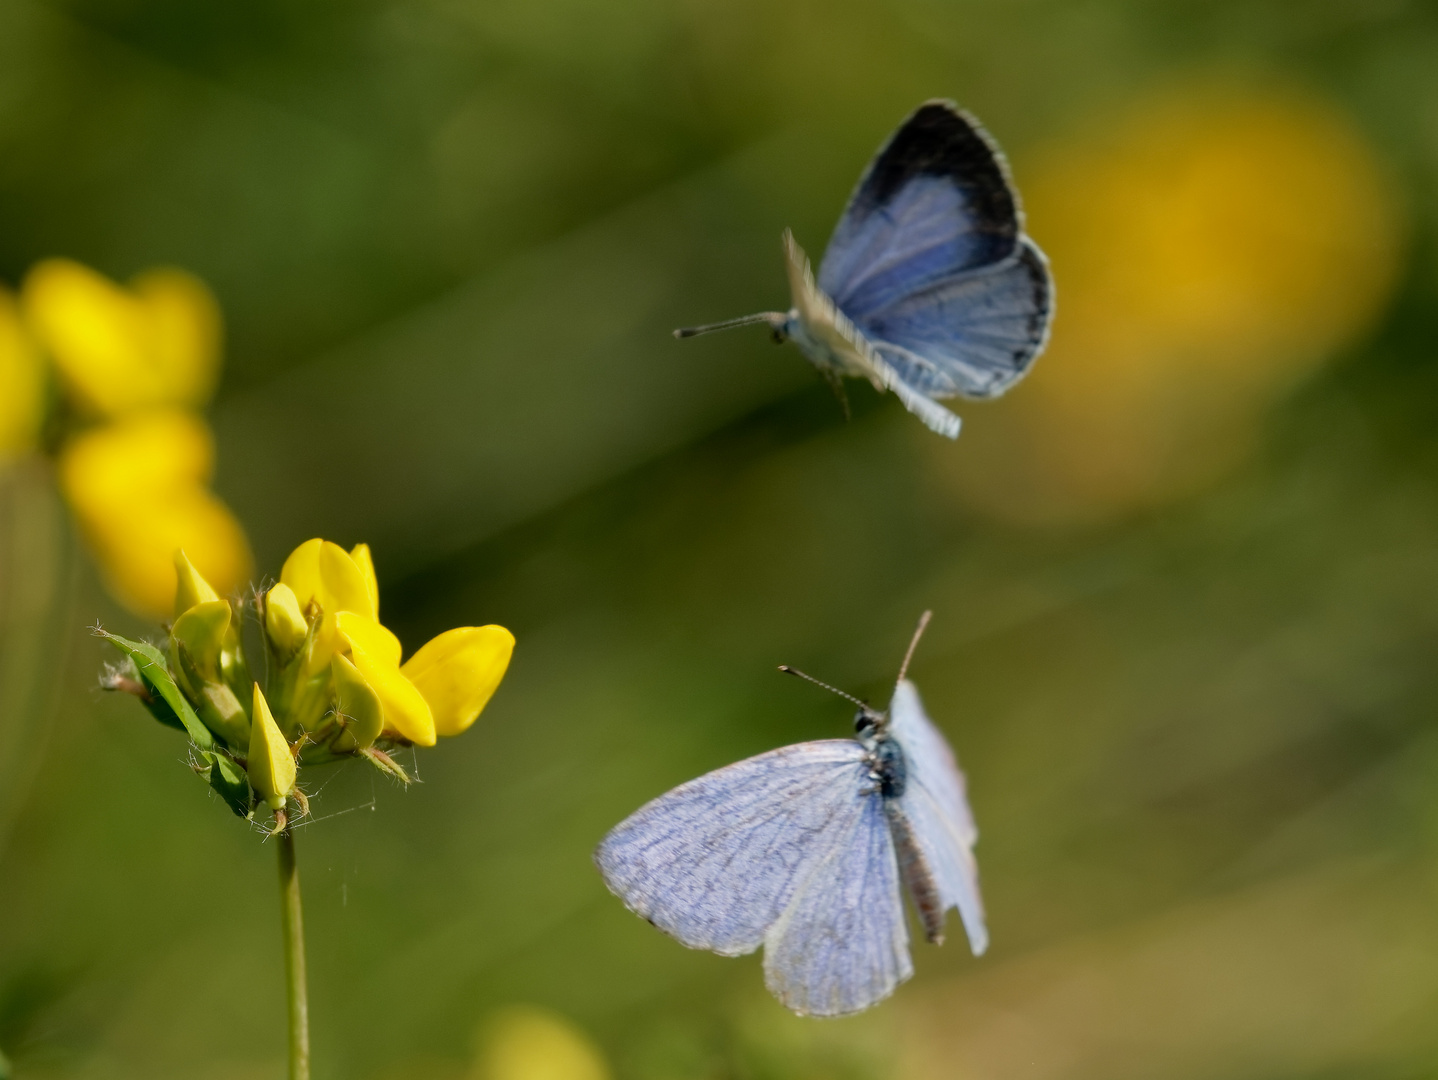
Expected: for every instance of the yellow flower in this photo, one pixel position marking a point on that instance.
(22, 384)
(117, 349)
(132, 362)
(440, 691)
(137, 489)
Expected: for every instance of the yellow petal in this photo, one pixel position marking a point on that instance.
(183, 329)
(191, 588)
(361, 555)
(22, 383)
(406, 713)
(271, 765)
(344, 582)
(370, 636)
(284, 622)
(327, 641)
(458, 672)
(136, 489)
(324, 573)
(358, 704)
(301, 571)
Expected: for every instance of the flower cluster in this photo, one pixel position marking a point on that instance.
(109, 381)
(338, 685)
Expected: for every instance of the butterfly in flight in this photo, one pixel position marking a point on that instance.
(802, 850)
(929, 287)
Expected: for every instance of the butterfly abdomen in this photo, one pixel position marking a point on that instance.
(914, 869)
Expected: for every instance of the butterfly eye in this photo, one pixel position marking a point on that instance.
(864, 721)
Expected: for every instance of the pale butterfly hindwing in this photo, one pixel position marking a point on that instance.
(841, 944)
(937, 806)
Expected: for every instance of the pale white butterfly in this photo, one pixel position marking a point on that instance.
(802, 850)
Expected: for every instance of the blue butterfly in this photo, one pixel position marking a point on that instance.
(929, 287)
(802, 850)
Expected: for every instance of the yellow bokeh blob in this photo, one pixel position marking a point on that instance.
(22, 384)
(138, 491)
(1209, 250)
(120, 349)
(527, 1043)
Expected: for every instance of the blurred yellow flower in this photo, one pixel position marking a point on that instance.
(440, 691)
(118, 349)
(137, 489)
(527, 1043)
(22, 384)
(134, 460)
(1210, 249)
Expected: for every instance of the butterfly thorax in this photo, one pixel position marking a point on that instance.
(887, 766)
(821, 346)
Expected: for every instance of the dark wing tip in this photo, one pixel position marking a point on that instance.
(940, 139)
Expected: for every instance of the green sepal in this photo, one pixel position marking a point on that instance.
(155, 674)
(215, 703)
(229, 782)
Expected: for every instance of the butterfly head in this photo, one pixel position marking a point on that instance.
(869, 724)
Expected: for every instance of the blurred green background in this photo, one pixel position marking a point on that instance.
(1185, 578)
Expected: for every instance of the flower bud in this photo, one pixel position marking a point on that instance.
(190, 587)
(271, 765)
(284, 622)
(198, 642)
(358, 707)
(200, 631)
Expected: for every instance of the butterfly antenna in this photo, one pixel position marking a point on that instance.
(775, 319)
(914, 644)
(787, 670)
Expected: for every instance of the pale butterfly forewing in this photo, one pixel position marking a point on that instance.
(715, 862)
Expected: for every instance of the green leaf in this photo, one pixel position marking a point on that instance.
(229, 782)
(155, 674)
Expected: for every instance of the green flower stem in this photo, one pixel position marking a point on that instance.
(294, 930)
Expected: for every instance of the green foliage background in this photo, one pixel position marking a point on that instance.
(450, 238)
